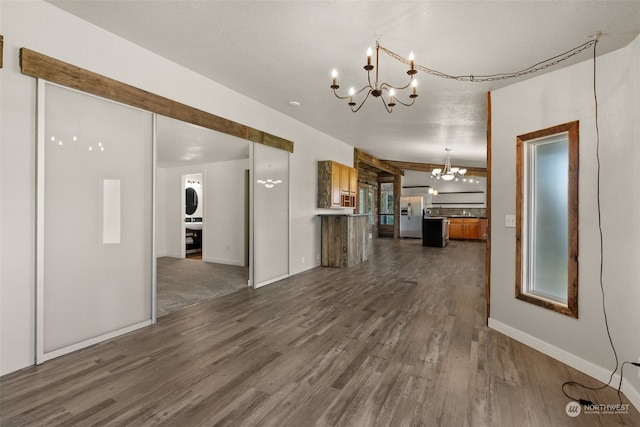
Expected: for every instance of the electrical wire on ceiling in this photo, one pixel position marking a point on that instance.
(501, 76)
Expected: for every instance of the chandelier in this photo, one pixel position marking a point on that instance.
(384, 91)
(448, 173)
(269, 183)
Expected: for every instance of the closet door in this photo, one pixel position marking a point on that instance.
(270, 214)
(95, 225)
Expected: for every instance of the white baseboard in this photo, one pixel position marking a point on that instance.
(584, 366)
(170, 255)
(224, 261)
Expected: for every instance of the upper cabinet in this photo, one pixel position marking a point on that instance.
(337, 185)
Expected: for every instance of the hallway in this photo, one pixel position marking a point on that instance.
(184, 282)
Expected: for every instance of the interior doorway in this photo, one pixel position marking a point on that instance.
(201, 209)
(367, 205)
(193, 215)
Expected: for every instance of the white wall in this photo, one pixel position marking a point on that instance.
(222, 204)
(51, 31)
(559, 97)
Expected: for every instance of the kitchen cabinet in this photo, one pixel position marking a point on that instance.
(456, 228)
(337, 185)
(467, 228)
(482, 234)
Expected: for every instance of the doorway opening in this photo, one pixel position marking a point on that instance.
(202, 215)
(193, 216)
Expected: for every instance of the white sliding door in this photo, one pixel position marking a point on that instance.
(270, 215)
(95, 220)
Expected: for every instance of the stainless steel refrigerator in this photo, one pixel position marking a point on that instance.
(411, 213)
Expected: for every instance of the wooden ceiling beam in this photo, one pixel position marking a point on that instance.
(360, 156)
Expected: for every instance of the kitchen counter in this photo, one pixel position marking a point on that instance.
(345, 239)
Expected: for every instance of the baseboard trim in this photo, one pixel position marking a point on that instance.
(171, 255)
(223, 261)
(584, 366)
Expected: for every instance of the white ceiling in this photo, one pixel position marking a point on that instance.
(181, 144)
(276, 52)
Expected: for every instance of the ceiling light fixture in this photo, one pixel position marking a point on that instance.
(269, 183)
(448, 173)
(378, 89)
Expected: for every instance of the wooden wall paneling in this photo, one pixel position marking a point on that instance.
(41, 66)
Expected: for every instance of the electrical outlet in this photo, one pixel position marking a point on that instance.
(510, 221)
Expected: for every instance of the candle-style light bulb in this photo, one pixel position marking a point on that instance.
(334, 75)
(414, 85)
(352, 91)
(411, 59)
(369, 53)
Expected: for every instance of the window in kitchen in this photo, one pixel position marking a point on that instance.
(547, 218)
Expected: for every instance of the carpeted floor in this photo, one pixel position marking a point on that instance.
(184, 282)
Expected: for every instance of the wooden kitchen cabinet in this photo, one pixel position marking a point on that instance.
(483, 229)
(337, 185)
(471, 228)
(466, 228)
(456, 228)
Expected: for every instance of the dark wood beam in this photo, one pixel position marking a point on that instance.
(428, 167)
(41, 66)
(360, 156)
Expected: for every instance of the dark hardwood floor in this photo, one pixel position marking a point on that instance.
(398, 340)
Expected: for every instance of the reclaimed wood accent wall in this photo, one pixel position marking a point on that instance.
(41, 66)
(345, 240)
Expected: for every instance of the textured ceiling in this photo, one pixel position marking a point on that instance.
(276, 52)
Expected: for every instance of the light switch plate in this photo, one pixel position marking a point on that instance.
(510, 221)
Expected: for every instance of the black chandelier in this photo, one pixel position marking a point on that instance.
(384, 91)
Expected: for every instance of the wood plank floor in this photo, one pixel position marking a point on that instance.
(399, 340)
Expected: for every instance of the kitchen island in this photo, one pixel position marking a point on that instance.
(345, 239)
